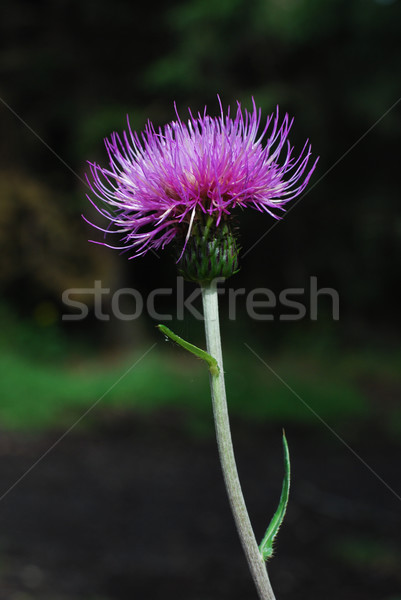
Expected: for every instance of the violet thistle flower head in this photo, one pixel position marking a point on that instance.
(183, 182)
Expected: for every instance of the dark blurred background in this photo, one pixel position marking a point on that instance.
(119, 507)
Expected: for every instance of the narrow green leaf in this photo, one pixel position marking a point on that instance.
(266, 546)
(212, 362)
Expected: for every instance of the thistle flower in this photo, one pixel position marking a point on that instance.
(165, 184)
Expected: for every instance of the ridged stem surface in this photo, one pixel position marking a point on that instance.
(226, 452)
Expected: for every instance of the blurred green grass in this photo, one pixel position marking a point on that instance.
(36, 394)
(49, 382)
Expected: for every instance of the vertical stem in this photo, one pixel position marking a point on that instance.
(255, 561)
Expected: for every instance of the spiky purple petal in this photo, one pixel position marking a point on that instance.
(159, 181)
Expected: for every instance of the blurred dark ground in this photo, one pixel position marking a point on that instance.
(135, 492)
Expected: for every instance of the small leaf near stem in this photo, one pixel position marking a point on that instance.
(212, 362)
(266, 546)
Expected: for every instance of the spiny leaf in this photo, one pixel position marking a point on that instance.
(266, 546)
(212, 362)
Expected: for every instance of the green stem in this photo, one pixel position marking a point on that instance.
(255, 561)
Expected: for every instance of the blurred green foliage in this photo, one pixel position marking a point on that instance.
(72, 70)
(41, 394)
(49, 382)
